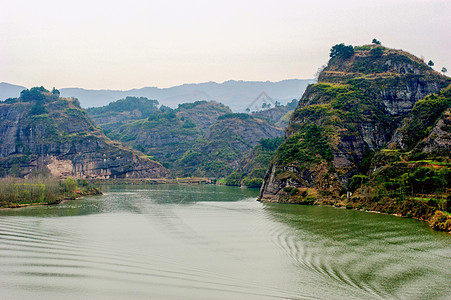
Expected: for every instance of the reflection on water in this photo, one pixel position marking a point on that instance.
(382, 255)
(215, 242)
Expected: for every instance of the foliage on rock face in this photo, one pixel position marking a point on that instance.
(253, 167)
(424, 114)
(309, 144)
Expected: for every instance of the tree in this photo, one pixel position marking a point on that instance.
(341, 51)
(234, 179)
(38, 109)
(70, 185)
(35, 93)
(376, 42)
(444, 70)
(55, 91)
(430, 63)
(377, 52)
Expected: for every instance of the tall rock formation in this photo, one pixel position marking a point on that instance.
(339, 124)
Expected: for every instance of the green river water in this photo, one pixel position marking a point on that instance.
(215, 242)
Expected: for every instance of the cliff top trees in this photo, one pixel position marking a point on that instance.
(341, 51)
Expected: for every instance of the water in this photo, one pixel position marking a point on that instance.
(208, 242)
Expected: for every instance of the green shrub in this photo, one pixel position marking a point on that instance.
(252, 183)
(234, 179)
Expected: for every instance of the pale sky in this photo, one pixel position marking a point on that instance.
(132, 44)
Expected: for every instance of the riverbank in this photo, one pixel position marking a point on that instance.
(151, 181)
(408, 208)
(42, 190)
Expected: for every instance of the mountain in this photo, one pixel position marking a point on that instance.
(119, 112)
(356, 114)
(167, 134)
(40, 130)
(238, 95)
(9, 90)
(203, 138)
(219, 151)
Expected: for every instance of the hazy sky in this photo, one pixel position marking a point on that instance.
(131, 44)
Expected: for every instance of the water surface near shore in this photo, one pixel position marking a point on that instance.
(215, 242)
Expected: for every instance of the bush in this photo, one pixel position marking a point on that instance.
(377, 52)
(70, 185)
(252, 183)
(440, 221)
(233, 179)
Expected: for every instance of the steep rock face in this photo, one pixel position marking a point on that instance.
(412, 177)
(353, 110)
(56, 134)
(440, 136)
(222, 147)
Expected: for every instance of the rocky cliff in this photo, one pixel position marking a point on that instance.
(339, 124)
(40, 130)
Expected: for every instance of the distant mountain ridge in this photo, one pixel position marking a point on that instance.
(238, 95)
(8, 90)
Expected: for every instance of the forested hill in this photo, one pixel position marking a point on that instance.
(373, 129)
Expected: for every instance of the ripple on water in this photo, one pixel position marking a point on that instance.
(376, 259)
(179, 243)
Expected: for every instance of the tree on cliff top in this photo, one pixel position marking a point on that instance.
(375, 41)
(341, 51)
